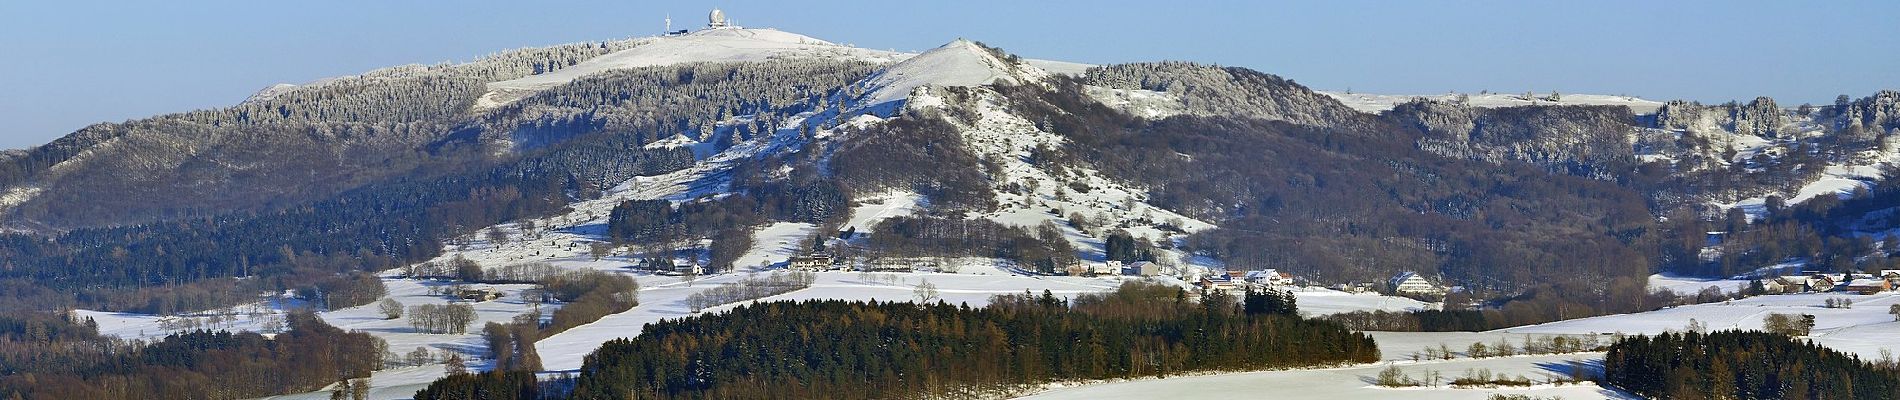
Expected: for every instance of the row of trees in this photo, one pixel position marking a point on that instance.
(194, 365)
(1742, 364)
(1044, 249)
(452, 318)
(589, 295)
(750, 288)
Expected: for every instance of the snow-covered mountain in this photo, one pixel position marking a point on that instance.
(749, 147)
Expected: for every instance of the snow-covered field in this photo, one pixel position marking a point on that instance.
(1690, 286)
(1356, 382)
(1864, 329)
(1348, 383)
(1315, 301)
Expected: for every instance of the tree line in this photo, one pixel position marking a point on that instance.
(197, 364)
(840, 349)
(1742, 364)
(750, 288)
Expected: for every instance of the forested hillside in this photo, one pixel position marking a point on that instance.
(1359, 204)
(406, 218)
(44, 356)
(1547, 212)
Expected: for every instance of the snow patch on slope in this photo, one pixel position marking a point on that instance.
(1837, 180)
(774, 244)
(874, 209)
(1141, 103)
(1029, 195)
(18, 195)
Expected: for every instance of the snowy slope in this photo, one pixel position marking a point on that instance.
(874, 209)
(958, 63)
(1375, 103)
(710, 45)
(1029, 193)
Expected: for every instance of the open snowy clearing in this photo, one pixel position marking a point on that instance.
(1688, 286)
(1864, 329)
(872, 210)
(1354, 382)
(775, 244)
(1317, 301)
(1349, 383)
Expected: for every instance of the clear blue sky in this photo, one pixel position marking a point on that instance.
(68, 63)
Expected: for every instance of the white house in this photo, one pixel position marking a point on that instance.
(1270, 277)
(1411, 283)
(815, 262)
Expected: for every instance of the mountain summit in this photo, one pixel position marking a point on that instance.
(959, 63)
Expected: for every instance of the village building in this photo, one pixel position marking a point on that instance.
(1141, 268)
(1218, 283)
(1772, 286)
(478, 294)
(1822, 283)
(814, 262)
(1270, 277)
(1111, 267)
(1790, 284)
(1412, 283)
(1868, 286)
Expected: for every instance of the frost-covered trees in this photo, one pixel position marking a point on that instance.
(1210, 90)
(1788, 324)
(391, 308)
(750, 288)
(925, 291)
(438, 318)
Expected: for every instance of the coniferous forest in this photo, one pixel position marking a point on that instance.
(1743, 365)
(835, 349)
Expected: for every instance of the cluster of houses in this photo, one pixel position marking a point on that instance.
(1814, 281)
(1234, 280)
(1401, 284)
(478, 294)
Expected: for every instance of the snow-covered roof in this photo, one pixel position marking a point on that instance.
(1868, 282)
(1267, 274)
